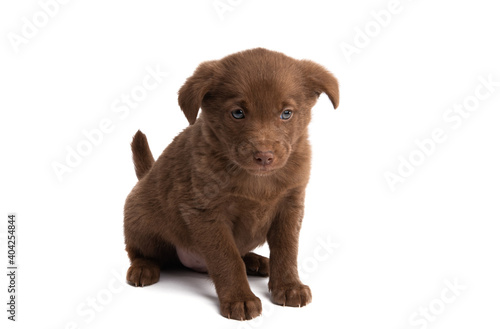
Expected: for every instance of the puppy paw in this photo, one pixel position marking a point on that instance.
(246, 309)
(256, 264)
(295, 295)
(143, 273)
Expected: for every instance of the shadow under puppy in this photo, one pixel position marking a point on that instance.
(232, 180)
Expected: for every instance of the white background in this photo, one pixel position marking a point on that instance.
(395, 252)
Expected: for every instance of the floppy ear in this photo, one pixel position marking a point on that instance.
(194, 89)
(321, 81)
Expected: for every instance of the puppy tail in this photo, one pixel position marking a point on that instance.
(141, 154)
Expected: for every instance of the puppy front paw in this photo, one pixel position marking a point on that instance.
(246, 309)
(295, 295)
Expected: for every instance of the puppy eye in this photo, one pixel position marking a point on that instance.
(286, 114)
(238, 114)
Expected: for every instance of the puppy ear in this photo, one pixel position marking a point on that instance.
(321, 80)
(194, 89)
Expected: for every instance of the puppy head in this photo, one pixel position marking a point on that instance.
(257, 103)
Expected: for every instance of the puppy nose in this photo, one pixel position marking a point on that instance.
(263, 158)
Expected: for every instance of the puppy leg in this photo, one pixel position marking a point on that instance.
(283, 239)
(227, 270)
(256, 265)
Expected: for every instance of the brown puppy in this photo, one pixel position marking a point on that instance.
(234, 179)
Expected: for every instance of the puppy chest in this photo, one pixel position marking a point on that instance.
(250, 221)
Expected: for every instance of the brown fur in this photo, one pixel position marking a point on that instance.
(225, 186)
